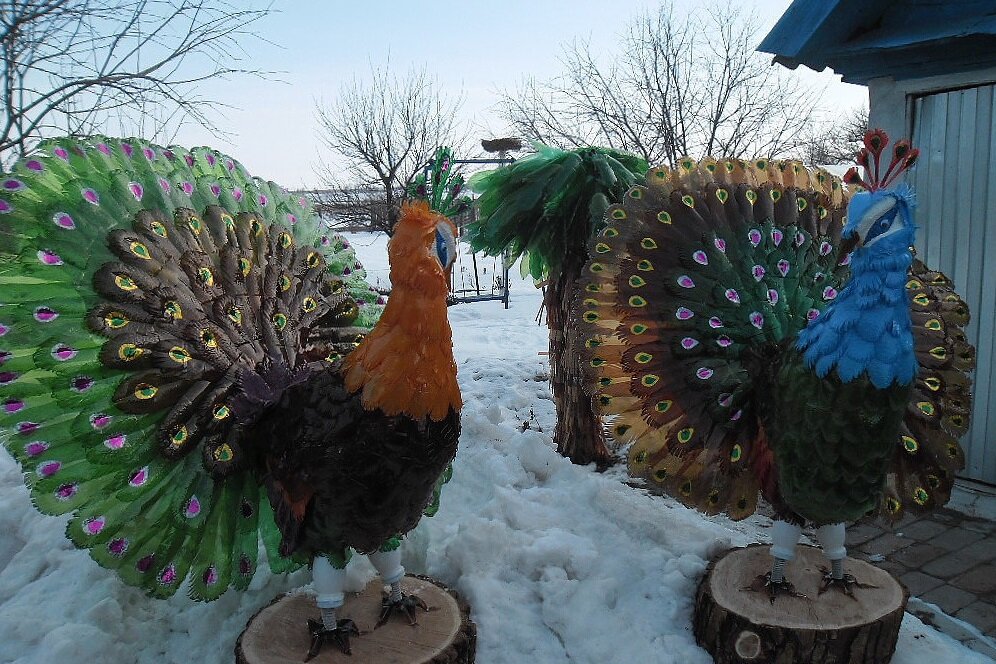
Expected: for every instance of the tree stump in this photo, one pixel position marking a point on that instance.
(278, 633)
(737, 626)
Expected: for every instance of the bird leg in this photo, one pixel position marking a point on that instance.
(784, 537)
(328, 582)
(388, 564)
(831, 538)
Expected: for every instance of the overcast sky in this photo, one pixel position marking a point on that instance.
(479, 48)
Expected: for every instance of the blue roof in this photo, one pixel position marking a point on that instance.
(865, 39)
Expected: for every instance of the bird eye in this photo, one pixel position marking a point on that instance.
(445, 245)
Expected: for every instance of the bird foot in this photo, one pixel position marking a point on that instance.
(407, 605)
(763, 583)
(339, 636)
(845, 584)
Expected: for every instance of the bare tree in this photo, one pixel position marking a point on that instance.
(383, 131)
(839, 142)
(678, 86)
(70, 66)
(353, 208)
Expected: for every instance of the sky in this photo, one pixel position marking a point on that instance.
(475, 48)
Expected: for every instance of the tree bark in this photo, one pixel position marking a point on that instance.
(579, 434)
(738, 626)
(278, 633)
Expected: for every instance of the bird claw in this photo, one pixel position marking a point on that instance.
(407, 604)
(339, 636)
(764, 583)
(846, 584)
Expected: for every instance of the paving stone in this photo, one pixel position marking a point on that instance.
(956, 538)
(949, 598)
(918, 583)
(917, 555)
(983, 550)
(946, 516)
(860, 533)
(980, 614)
(979, 525)
(950, 565)
(923, 530)
(893, 568)
(885, 544)
(980, 580)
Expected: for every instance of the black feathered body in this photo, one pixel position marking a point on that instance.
(369, 476)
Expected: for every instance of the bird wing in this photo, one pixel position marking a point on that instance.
(140, 285)
(699, 279)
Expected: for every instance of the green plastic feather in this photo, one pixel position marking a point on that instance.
(548, 201)
(120, 311)
(440, 185)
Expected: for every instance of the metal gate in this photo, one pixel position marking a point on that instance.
(955, 183)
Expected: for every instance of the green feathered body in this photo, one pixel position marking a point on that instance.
(137, 284)
(832, 441)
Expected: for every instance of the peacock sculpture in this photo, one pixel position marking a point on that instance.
(181, 373)
(542, 210)
(746, 338)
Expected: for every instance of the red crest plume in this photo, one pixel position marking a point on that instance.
(903, 156)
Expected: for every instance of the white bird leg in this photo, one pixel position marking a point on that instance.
(831, 538)
(329, 583)
(784, 538)
(388, 565)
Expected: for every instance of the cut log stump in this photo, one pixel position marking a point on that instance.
(743, 627)
(278, 633)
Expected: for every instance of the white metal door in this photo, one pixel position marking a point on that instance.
(955, 183)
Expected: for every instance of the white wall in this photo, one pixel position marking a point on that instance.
(891, 101)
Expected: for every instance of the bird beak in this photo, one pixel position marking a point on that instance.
(850, 243)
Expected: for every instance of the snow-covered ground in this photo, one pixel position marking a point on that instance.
(559, 563)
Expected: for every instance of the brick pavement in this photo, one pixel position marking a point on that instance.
(946, 558)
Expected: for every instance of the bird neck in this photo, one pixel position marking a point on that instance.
(405, 365)
(867, 329)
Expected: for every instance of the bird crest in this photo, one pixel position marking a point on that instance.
(870, 159)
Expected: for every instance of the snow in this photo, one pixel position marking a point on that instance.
(559, 563)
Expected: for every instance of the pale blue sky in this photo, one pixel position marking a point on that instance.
(477, 47)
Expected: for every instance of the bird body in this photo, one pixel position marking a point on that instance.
(172, 334)
(351, 478)
(746, 339)
(357, 453)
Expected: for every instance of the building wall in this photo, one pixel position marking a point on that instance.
(952, 119)
(891, 101)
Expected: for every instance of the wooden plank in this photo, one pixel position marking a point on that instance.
(929, 179)
(983, 308)
(966, 272)
(948, 219)
(966, 156)
(986, 374)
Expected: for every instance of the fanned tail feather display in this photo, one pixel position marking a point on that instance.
(147, 296)
(699, 284)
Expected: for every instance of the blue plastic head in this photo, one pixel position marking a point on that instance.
(883, 216)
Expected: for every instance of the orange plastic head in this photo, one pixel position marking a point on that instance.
(405, 365)
(414, 250)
